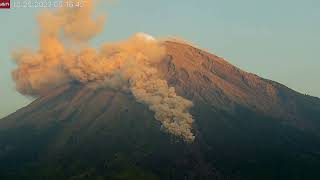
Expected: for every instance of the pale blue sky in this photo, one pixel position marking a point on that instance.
(276, 39)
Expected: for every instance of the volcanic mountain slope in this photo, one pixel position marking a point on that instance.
(246, 127)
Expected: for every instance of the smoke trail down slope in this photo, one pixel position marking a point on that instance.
(64, 57)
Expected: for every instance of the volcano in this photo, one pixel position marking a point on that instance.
(245, 127)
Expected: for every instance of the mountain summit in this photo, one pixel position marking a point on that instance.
(245, 127)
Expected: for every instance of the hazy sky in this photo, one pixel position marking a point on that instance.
(278, 40)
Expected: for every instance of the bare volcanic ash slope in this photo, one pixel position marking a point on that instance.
(148, 109)
(201, 76)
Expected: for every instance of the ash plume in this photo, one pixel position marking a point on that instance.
(64, 56)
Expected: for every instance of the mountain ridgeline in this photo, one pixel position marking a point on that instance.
(246, 128)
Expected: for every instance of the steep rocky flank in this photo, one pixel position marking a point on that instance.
(246, 127)
(201, 76)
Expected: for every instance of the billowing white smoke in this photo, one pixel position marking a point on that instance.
(125, 66)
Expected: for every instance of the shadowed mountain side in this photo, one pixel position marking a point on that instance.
(246, 128)
(84, 128)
